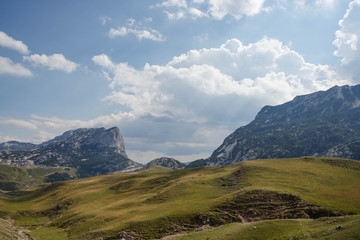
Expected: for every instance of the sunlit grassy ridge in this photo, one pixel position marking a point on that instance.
(159, 202)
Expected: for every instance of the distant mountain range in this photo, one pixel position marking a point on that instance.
(17, 146)
(325, 123)
(91, 151)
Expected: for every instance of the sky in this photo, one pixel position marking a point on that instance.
(176, 76)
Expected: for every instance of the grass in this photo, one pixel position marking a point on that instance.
(13, 178)
(158, 202)
(313, 179)
(324, 228)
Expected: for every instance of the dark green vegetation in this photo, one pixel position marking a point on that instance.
(325, 123)
(298, 198)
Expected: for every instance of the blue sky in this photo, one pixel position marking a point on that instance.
(176, 76)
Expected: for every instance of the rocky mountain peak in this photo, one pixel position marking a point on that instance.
(324, 123)
(95, 137)
(92, 151)
(333, 101)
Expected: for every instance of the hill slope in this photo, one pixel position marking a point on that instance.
(318, 124)
(150, 205)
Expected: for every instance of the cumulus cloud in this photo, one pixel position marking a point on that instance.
(7, 66)
(347, 41)
(236, 8)
(53, 62)
(200, 85)
(8, 42)
(217, 9)
(139, 31)
(347, 38)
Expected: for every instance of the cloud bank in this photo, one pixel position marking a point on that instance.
(202, 84)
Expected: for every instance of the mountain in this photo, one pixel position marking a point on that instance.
(166, 162)
(16, 146)
(325, 123)
(92, 151)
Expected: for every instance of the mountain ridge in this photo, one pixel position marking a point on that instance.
(309, 125)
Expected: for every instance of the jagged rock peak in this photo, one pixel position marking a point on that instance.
(166, 162)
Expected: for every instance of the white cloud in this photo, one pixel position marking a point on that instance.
(53, 62)
(236, 8)
(8, 42)
(200, 85)
(7, 66)
(103, 60)
(216, 9)
(347, 38)
(4, 138)
(327, 4)
(137, 30)
(18, 123)
(173, 3)
(347, 41)
(104, 20)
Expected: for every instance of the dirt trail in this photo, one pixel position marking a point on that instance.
(8, 231)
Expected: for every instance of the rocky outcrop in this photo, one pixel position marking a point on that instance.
(166, 162)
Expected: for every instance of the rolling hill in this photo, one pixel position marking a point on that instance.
(308, 197)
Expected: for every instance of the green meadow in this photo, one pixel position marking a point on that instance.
(261, 199)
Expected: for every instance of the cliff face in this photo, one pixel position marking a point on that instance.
(92, 151)
(325, 123)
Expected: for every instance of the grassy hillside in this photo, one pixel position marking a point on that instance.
(13, 178)
(158, 202)
(324, 228)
